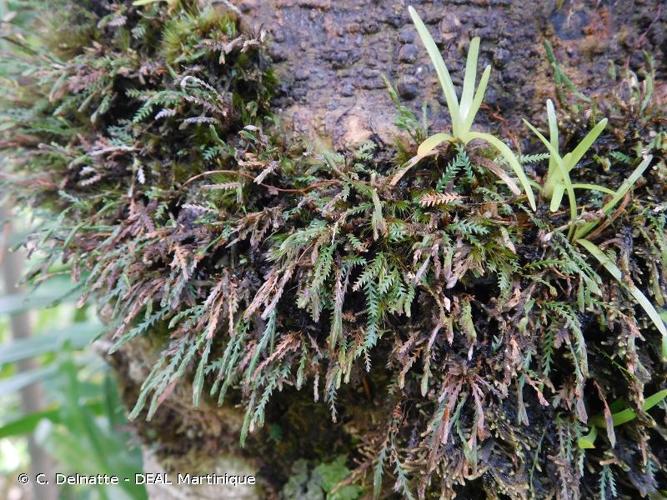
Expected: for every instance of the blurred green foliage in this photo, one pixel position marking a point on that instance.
(82, 424)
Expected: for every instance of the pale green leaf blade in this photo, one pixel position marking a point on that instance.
(469, 78)
(553, 124)
(593, 187)
(77, 335)
(557, 197)
(432, 142)
(511, 159)
(552, 152)
(440, 68)
(636, 293)
(587, 442)
(627, 184)
(20, 302)
(585, 144)
(24, 379)
(565, 177)
(27, 423)
(617, 195)
(553, 137)
(628, 414)
(479, 97)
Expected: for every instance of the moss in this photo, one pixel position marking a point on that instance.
(182, 35)
(455, 341)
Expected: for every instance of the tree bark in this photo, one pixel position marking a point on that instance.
(181, 438)
(331, 54)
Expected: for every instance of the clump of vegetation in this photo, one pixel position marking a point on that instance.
(496, 345)
(463, 112)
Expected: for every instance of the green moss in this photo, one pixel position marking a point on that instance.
(183, 35)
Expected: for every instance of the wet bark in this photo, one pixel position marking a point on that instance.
(330, 56)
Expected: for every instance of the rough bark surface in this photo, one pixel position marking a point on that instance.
(330, 56)
(181, 438)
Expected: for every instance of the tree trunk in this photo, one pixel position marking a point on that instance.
(330, 57)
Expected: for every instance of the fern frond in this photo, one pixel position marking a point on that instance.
(433, 199)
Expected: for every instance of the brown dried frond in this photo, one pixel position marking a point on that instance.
(434, 199)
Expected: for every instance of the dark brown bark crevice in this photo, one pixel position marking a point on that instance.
(330, 56)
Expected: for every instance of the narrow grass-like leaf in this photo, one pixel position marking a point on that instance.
(77, 335)
(24, 379)
(619, 418)
(593, 187)
(617, 195)
(16, 303)
(511, 159)
(407, 166)
(637, 294)
(627, 415)
(553, 137)
(440, 68)
(557, 197)
(585, 145)
(479, 97)
(561, 169)
(553, 124)
(433, 142)
(560, 78)
(557, 180)
(27, 423)
(469, 78)
(627, 184)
